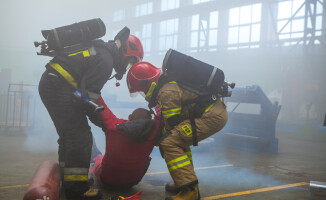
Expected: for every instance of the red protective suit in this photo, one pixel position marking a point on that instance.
(125, 161)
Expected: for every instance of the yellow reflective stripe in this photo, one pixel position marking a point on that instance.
(177, 160)
(169, 115)
(173, 82)
(171, 112)
(85, 53)
(72, 54)
(75, 177)
(209, 107)
(64, 73)
(174, 109)
(179, 165)
(189, 154)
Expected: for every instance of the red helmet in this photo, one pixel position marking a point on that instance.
(134, 48)
(141, 76)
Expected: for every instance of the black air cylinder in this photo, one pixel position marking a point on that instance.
(73, 34)
(191, 73)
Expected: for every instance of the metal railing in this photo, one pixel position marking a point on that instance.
(17, 107)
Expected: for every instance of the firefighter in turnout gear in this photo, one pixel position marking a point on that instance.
(186, 123)
(87, 70)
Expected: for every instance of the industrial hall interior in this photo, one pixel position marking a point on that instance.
(163, 99)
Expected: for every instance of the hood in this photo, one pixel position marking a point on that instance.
(116, 54)
(138, 130)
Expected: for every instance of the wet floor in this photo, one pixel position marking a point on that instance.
(223, 173)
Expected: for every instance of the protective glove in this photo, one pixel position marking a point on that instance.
(95, 118)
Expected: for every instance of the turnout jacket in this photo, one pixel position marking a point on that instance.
(90, 69)
(126, 158)
(171, 98)
(187, 123)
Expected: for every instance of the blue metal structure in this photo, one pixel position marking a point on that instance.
(18, 107)
(251, 131)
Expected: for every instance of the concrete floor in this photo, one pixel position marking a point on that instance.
(228, 171)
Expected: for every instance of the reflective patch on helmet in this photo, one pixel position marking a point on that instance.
(186, 129)
(133, 46)
(150, 91)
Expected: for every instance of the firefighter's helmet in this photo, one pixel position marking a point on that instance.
(141, 77)
(134, 48)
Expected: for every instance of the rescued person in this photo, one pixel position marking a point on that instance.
(129, 144)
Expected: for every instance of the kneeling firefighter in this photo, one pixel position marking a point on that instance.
(86, 71)
(189, 93)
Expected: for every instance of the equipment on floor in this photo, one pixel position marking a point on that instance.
(252, 121)
(45, 183)
(71, 38)
(133, 197)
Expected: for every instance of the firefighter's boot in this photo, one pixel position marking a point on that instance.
(172, 187)
(188, 193)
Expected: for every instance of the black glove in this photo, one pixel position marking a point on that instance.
(95, 118)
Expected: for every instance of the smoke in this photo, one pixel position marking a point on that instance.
(42, 138)
(233, 173)
(293, 79)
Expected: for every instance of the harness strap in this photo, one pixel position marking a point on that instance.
(64, 74)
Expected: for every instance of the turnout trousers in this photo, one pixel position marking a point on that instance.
(175, 146)
(75, 137)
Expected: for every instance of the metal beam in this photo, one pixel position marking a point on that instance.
(188, 10)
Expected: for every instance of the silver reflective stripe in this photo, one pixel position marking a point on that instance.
(92, 51)
(75, 171)
(212, 77)
(51, 74)
(172, 112)
(57, 37)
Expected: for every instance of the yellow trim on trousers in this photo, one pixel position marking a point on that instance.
(75, 177)
(178, 163)
(177, 160)
(189, 154)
